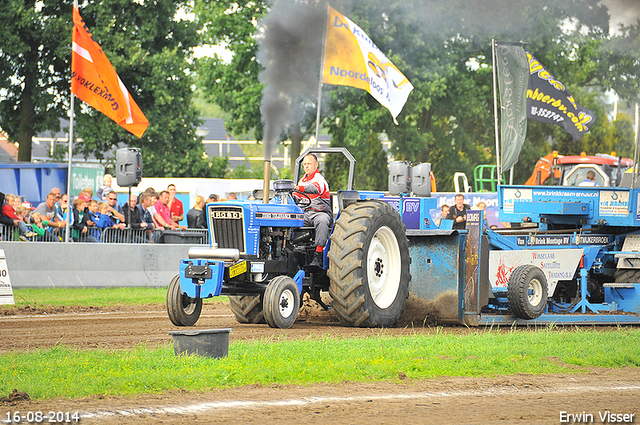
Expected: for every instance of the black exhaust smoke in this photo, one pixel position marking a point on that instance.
(291, 37)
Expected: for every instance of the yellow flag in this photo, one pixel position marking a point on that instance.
(352, 59)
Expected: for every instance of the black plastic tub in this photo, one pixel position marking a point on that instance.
(202, 342)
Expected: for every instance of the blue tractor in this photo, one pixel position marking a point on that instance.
(260, 256)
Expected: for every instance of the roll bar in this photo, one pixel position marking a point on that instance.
(343, 151)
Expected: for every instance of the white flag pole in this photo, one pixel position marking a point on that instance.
(324, 46)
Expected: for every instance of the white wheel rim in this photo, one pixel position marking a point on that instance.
(535, 292)
(286, 303)
(383, 267)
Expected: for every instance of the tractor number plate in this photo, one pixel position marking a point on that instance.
(237, 269)
(197, 272)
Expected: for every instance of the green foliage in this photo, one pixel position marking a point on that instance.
(363, 142)
(143, 370)
(236, 86)
(448, 119)
(255, 170)
(247, 171)
(443, 47)
(38, 297)
(208, 109)
(219, 167)
(233, 86)
(35, 46)
(150, 50)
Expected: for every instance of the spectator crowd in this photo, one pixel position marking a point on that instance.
(143, 218)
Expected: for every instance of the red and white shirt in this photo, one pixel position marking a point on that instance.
(317, 189)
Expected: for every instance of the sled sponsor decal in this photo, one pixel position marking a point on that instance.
(614, 203)
(556, 265)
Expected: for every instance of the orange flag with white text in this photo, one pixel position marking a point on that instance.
(94, 81)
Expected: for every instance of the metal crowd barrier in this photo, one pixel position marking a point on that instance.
(127, 235)
(8, 233)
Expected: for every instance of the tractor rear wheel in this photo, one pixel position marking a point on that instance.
(527, 292)
(369, 265)
(182, 310)
(247, 309)
(281, 302)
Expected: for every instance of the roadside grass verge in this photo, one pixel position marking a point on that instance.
(97, 297)
(66, 372)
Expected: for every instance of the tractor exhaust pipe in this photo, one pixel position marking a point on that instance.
(222, 254)
(267, 178)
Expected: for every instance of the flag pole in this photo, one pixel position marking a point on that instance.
(67, 233)
(70, 153)
(635, 154)
(495, 109)
(324, 43)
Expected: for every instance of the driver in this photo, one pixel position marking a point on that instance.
(318, 213)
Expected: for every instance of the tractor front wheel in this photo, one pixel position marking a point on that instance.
(182, 310)
(369, 265)
(281, 302)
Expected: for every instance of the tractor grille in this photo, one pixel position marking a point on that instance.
(227, 227)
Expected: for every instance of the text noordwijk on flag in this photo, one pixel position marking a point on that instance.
(352, 59)
(94, 81)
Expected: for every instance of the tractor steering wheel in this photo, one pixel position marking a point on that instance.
(303, 201)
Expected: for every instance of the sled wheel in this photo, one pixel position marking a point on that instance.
(281, 302)
(182, 310)
(527, 292)
(369, 265)
(247, 309)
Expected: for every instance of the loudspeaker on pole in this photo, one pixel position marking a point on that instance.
(128, 167)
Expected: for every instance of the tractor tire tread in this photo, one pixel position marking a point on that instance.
(347, 262)
(518, 295)
(247, 309)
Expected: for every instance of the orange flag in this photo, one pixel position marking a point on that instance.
(94, 81)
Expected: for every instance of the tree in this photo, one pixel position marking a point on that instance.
(34, 68)
(149, 48)
(444, 48)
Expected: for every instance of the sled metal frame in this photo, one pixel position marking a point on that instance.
(451, 262)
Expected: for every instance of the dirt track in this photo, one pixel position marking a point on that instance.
(522, 399)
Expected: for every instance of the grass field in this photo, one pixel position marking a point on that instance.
(96, 297)
(66, 372)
